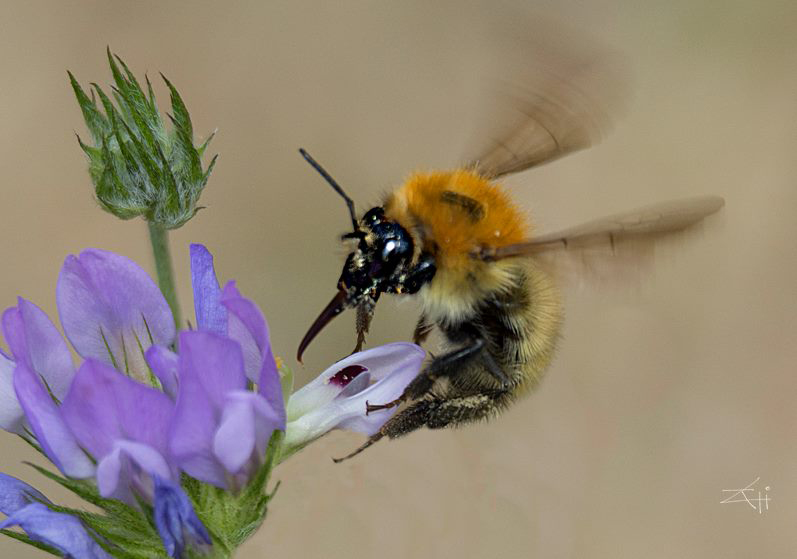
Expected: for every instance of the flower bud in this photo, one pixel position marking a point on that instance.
(138, 167)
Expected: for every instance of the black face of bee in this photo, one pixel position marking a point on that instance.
(381, 261)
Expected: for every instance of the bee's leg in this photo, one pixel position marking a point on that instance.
(364, 315)
(422, 330)
(371, 440)
(437, 413)
(440, 367)
(410, 419)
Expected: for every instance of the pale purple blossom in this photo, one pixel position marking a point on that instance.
(336, 399)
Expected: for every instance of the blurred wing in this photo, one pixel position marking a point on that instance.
(612, 247)
(555, 96)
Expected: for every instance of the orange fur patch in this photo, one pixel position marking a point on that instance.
(422, 199)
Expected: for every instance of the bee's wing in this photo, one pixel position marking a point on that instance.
(620, 244)
(555, 95)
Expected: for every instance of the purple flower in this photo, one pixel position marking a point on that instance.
(141, 411)
(336, 398)
(27, 508)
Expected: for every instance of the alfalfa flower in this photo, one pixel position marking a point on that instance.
(120, 440)
(172, 435)
(337, 398)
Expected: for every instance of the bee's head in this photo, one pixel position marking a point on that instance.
(378, 264)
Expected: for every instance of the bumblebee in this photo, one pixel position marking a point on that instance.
(457, 241)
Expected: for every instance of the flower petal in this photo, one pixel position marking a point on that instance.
(210, 314)
(210, 366)
(12, 418)
(175, 519)
(247, 422)
(380, 362)
(15, 494)
(163, 363)
(127, 465)
(48, 425)
(248, 326)
(33, 338)
(104, 406)
(111, 310)
(64, 532)
(393, 365)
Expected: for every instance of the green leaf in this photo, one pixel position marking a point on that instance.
(97, 124)
(201, 149)
(182, 119)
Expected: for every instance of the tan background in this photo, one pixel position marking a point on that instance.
(658, 400)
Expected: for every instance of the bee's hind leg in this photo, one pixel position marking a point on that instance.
(438, 413)
(439, 367)
(407, 420)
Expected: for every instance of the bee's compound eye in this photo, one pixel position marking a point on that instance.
(373, 216)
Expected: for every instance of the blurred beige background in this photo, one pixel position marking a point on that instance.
(659, 399)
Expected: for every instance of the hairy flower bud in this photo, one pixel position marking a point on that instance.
(138, 167)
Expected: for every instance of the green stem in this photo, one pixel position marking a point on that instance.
(159, 237)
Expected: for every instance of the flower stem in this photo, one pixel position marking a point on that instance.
(159, 237)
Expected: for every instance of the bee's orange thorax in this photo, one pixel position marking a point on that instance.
(432, 202)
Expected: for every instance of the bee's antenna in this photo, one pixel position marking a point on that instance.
(334, 184)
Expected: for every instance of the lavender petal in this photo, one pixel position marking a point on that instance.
(163, 363)
(248, 326)
(62, 531)
(210, 314)
(33, 338)
(119, 470)
(111, 309)
(16, 494)
(103, 406)
(48, 425)
(210, 366)
(247, 422)
(12, 418)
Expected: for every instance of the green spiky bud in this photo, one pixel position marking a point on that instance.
(138, 167)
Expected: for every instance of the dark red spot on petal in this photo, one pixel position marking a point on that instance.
(345, 376)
